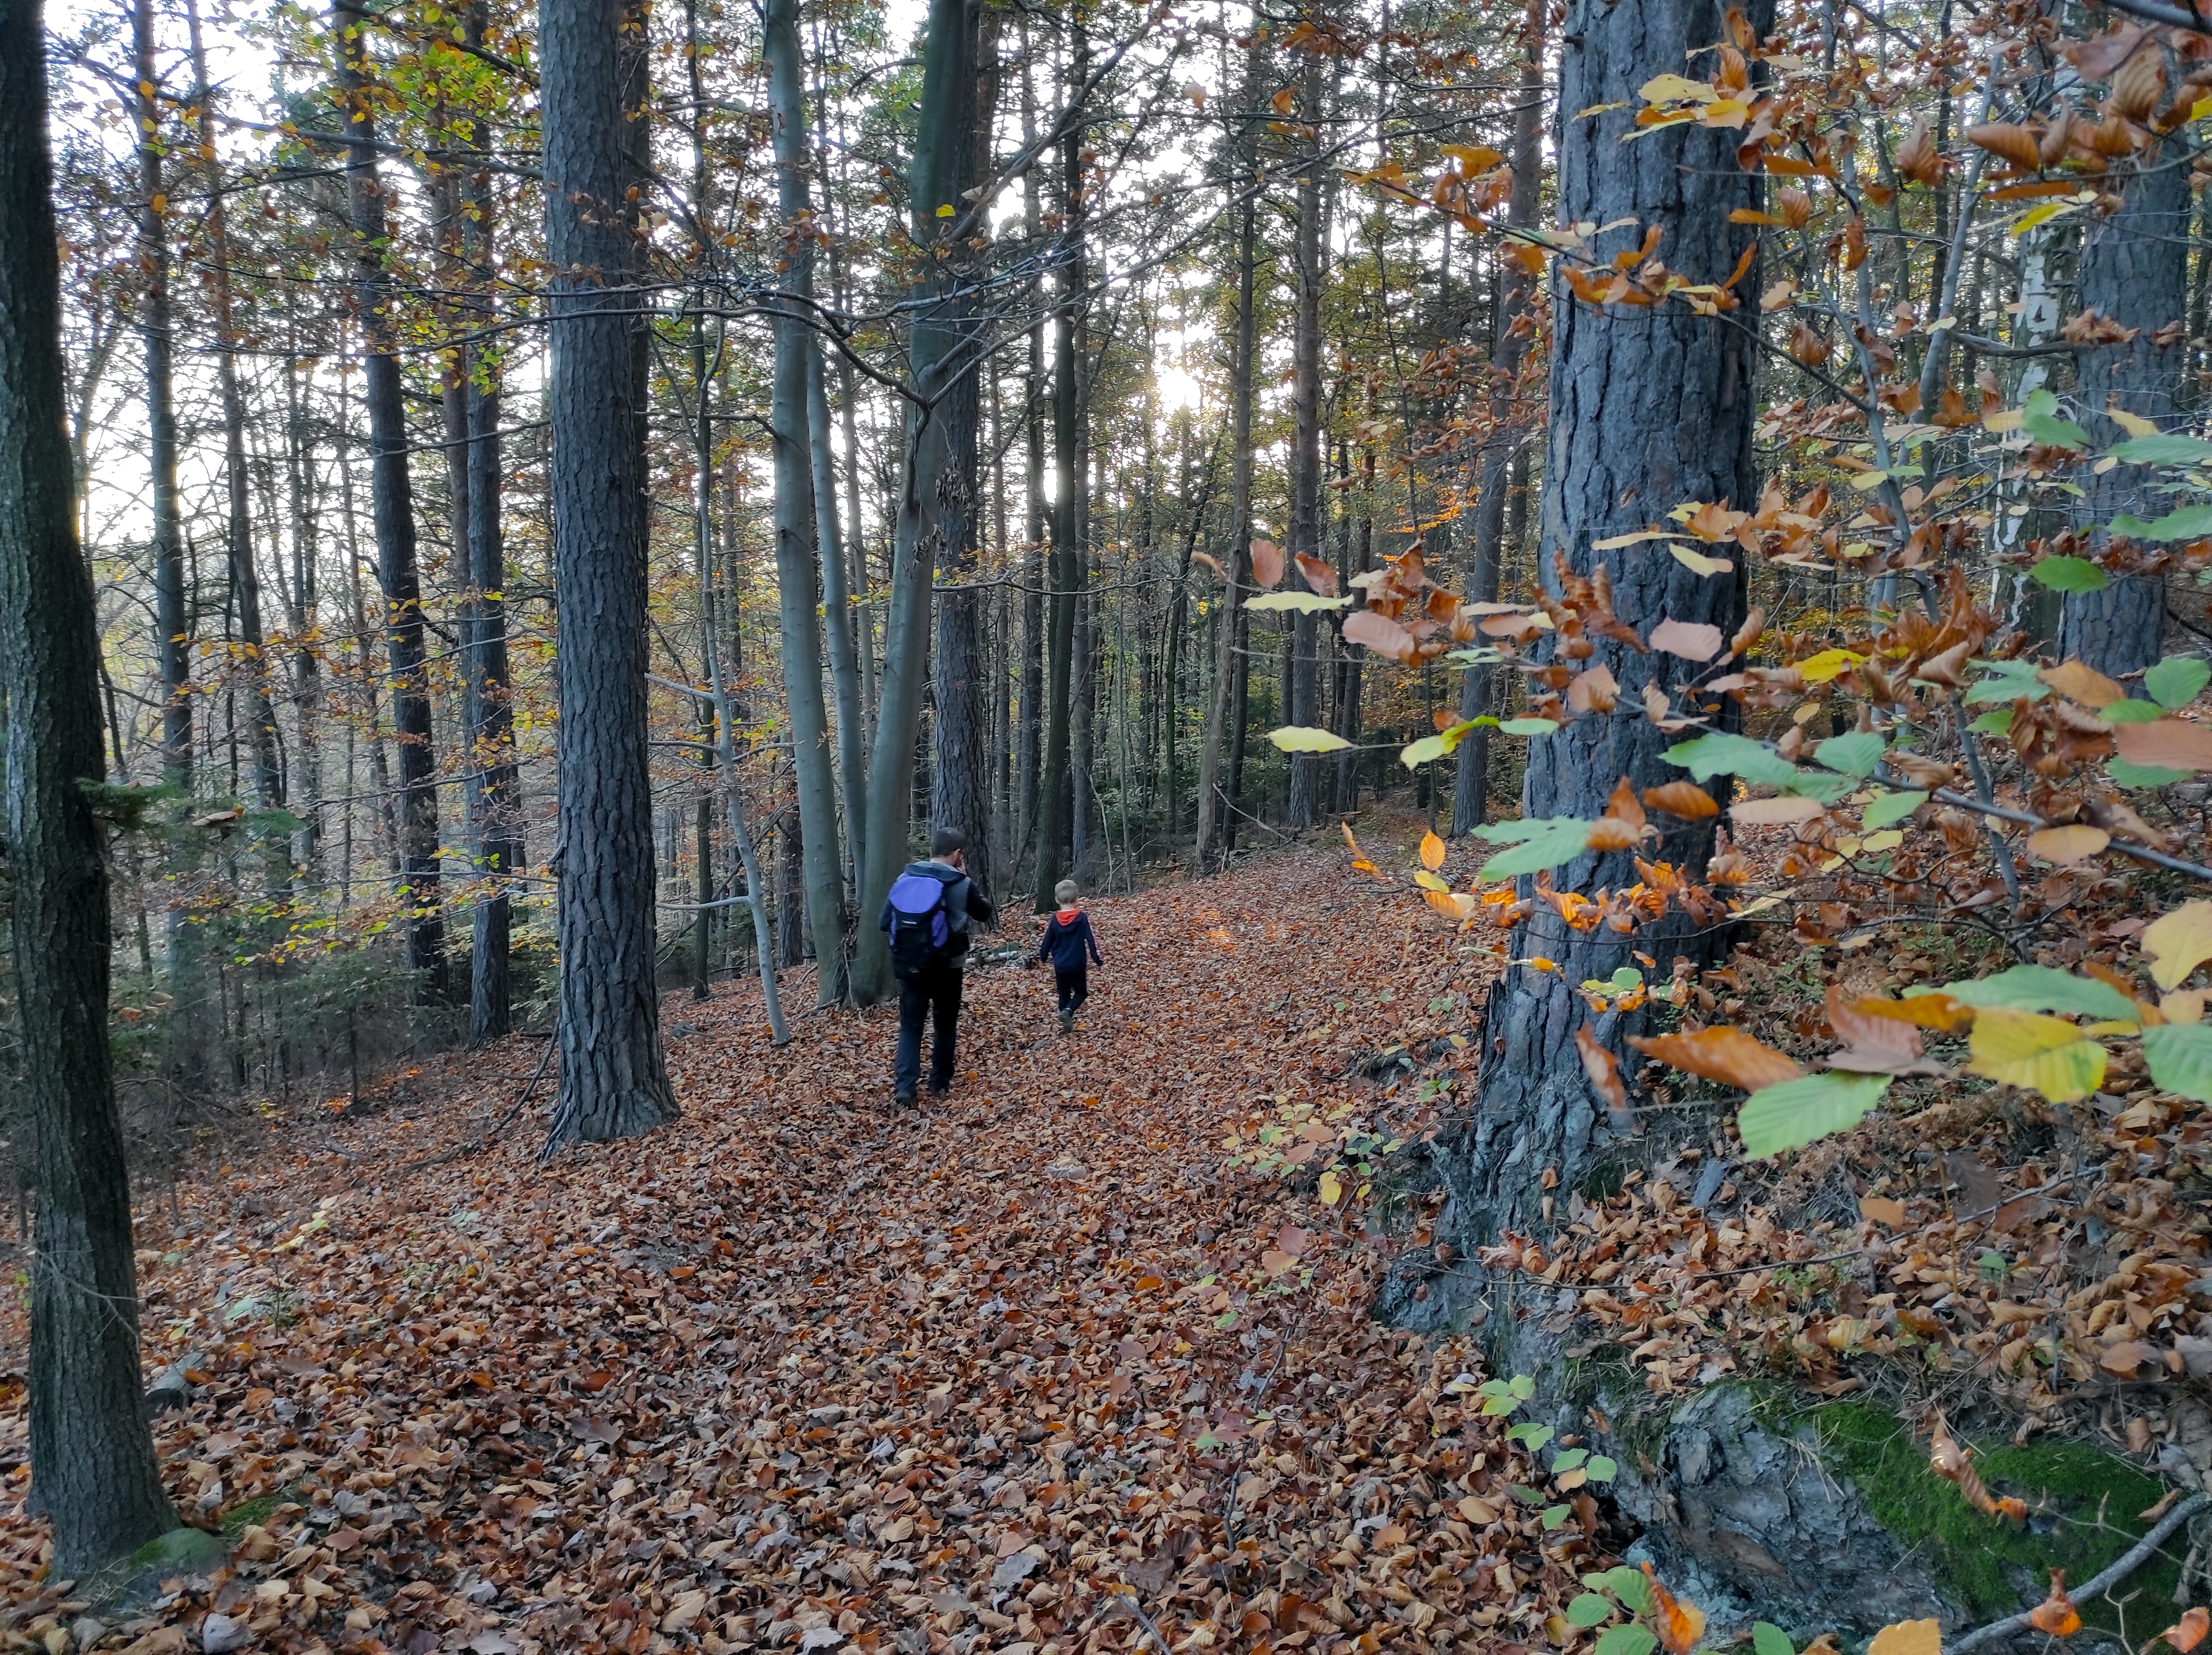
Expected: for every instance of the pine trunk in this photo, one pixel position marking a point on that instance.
(1648, 409)
(613, 1077)
(1302, 702)
(94, 1473)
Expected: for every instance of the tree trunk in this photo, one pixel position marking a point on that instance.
(796, 543)
(1178, 619)
(613, 1077)
(1055, 793)
(1302, 702)
(933, 497)
(488, 710)
(1471, 789)
(2135, 270)
(238, 538)
(838, 621)
(302, 617)
(1226, 717)
(1648, 409)
(93, 1472)
(171, 618)
(393, 502)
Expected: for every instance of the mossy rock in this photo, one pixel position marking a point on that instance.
(136, 1577)
(2083, 1505)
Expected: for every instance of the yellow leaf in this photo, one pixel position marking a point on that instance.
(1827, 664)
(2134, 424)
(1432, 852)
(1698, 563)
(2025, 1048)
(1332, 1189)
(2183, 1006)
(1908, 1638)
(1875, 843)
(1429, 881)
(2178, 943)
(2076, 843)
(1675, 88)
(945, 211)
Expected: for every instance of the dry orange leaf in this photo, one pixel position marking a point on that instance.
(1882, 1210)
(1685, 799)
(2082, 683)
(2188, 1631)
(1774, 812)
(1724, 1054)
(1680, 1625)
(1908, 1638)
(2166, 744)
(1603, 1069)
(2056, 1614)
(1432, 852)
(1938, 1012)
(1266, 563)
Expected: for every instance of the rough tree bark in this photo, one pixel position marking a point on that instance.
(796, 545)
(1648, 409)
(1471, 788)
(614, 1076)
(2134, 270)
(932, 500)
(92, 1457)
(392, 499)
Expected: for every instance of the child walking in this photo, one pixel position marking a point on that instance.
(1065, 940)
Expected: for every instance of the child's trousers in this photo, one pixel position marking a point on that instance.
(1074, 989)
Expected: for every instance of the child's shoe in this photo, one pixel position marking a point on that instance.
(1067, 1022)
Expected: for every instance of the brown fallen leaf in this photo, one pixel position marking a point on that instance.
(2056, 1614)
(2188, 1631)
(1723, 1053)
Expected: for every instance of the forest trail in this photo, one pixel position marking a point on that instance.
(802, 1371)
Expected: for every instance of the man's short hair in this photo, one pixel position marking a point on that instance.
(945, 841)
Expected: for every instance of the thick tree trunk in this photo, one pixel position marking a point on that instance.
(1648, 408)
(93, 1468)
(2135, 270)
(1471, 788)
(613, 1077)
(1178, 619)
(838, 621)
(1303, 701)
(796, 543)
(935, 493)
(393, 502)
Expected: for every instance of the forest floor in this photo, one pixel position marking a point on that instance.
(1071, 1361)
(1036, 1368)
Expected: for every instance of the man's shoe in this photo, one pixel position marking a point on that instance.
(903, 1100)
(939, 1089)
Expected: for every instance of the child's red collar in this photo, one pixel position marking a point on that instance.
(1068, 916)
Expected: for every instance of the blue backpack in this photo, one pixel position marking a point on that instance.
(922, 930)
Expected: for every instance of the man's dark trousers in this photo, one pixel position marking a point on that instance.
(939, 991)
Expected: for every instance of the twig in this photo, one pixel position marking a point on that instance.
(2129, 1561)
(545, 1057)
(1138, 1609)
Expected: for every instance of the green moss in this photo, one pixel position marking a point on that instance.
(1605, 1378)
(2083, 1507)
(247, 1513)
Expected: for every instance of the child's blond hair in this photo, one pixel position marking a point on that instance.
(1065, 891)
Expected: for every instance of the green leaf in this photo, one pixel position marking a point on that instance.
(2041, 421)
(1770, 1640)
(1629, 1639)
(2129, 774)
(1528, 727)
(1796, 1112)
(1417, 754)
(2069, 575)
(1530, 1435)
(2180, 1058)
(1811, 785)
(2189, 523)
(1300, 603)
(1996, 722)
(1886, 809)
(1603, 1468)
(1561, 838)
(1732, 755)
(1305, 738)
(2177, 681)
(1521, 1386)
(2043, 988)
(2164, 448)
(1627, 1585)
(1550, 1517)
(2131, 711)
(1569, 1459)
(2009, 680)
(1589, 1610)
(1854, 755)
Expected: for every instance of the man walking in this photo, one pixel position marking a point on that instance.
(927, 915)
